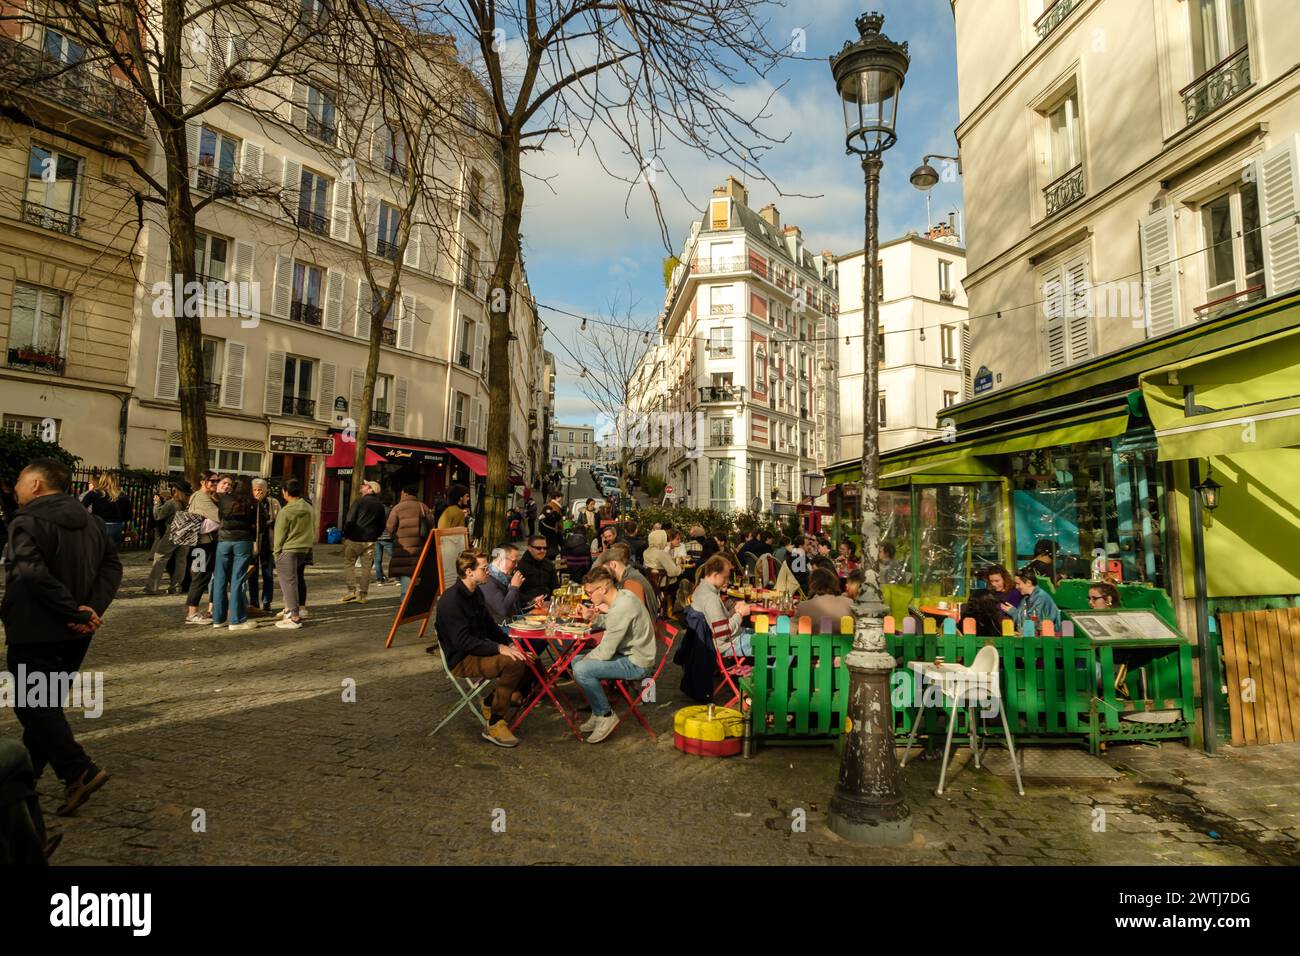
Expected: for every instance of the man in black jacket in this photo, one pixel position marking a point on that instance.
(61, 573)
(540, 576)
(475, 647)
(361, 529)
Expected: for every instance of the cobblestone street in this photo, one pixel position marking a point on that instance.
(251, 729)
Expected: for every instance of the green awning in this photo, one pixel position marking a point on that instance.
(1092, 427)
(948, 470)
(1247, 398)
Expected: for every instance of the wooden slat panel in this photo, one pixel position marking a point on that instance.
(1270, 695)
(1289, 628)
(1273, 637)
(1242, 653)
(1229, 630)
(1263, 728)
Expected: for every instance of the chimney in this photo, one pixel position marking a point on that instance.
(793, 231)
(828, 255)
(770, 215)
(734, 188)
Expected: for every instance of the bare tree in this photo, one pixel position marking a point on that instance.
(641, 74)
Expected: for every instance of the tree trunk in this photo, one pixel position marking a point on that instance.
(500, 297)
(361, 416)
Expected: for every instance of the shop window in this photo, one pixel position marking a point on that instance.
(960, 534)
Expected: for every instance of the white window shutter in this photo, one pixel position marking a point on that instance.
(1054, 312)
(334, 281)
(292, 185)
(476, 346)
(476, 415)
(406, 324)
(325, 395)
(274, 404)
(250, 171)
(341, 220)
(243, 265)
(218, 49)
(299, 100)
(372, 223)
(1278, 175)
(1078, 299)
(356, 393)
(232, 380)
(362, 327)
(1158, 239)
(193, 132)
(967, 372)
(168, 382)
(399, 404)
(412, 255)
(378, 142)
(282, 296)
(484, 331)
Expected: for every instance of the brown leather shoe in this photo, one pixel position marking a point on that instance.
(79, 792)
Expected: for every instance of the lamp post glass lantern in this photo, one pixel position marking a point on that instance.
(867, 806)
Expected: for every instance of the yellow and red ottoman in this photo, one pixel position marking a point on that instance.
(697, 732)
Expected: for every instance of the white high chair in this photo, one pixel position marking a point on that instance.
(965, 686)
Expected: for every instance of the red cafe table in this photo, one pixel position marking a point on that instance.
(547, 679)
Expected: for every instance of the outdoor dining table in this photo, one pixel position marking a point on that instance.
(522, 635)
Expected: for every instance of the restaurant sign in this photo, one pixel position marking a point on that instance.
(301, 445)
(419, 456)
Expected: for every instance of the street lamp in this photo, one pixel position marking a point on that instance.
(867, 806)
(925, 177)
(1209, 489)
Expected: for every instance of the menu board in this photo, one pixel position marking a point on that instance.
(1124, 625)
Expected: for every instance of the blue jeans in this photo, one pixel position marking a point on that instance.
(261, 579)
(228, 581)
(114, 530)
(405, 583)
(382, 546)
(742, 646)
(589, 673)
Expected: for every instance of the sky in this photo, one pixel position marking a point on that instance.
(584, 250)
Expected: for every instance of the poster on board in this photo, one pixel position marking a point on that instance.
(435, 572)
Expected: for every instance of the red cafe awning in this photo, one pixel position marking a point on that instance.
(476, 462)
(344, 454)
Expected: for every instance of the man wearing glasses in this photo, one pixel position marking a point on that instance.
(626, 652)
(540, 576)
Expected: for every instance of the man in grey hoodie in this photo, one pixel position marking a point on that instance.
(625, 652)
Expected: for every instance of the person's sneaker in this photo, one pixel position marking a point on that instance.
(487, 711)
(362, 599)
(589, 724)
(347, 599)
(79, 791)
(602, 727)
(215, 625)
(500, 735)
(197, 619)
(289, 624)
(302, 612)
(243, 626)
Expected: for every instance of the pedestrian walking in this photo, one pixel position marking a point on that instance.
(384, 545)
(235, 539)
(292, 544)
(168, 555)
(361, 529)
(61, 574)
(204, 554)
(456, 514)
(409, 523)
(261, 566)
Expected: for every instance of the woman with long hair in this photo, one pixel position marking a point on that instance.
(106, 501)
(238, 514)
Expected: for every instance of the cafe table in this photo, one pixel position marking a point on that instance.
(583, 637)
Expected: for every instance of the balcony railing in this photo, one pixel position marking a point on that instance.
(75, 86)
(388, 335)
(463, 359)
(313, 221)
(380, 419)
(325, 132)
(721, 440)
(304, 407)
(1053, 16)
(212, 393)
(1064, 190)
(721, 393)
(467, 282)
(721, 308)
(719, 264)
(56, 220)
(386, 249)
(395, 166)
(716, 350)
(219, 182)
(1217, 85)
(36, 360)
(458, 433)
(1228, 303)
(305, 312)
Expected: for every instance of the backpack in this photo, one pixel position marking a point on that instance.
(185, 528)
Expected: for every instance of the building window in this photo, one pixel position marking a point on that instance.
(1220, 55)
(460, 421)
(882, 420)
(314, 14)
(1064, 153)
(880, 281)
(210, 256)
(227, 461)
(720, 343)
(210, 351)
(386, 244)
(321, 114)
(394, 151)
(62, 48)
(389, 334)
(475, 194)
(1234, 250)
(32, 427)
(467, 334)
(53, 190)
(313, 202)
(945, 278)
(36, 329)
(949, 398)
(880, 346)
(469, 267)
(308, 282)
(721, 299)
(217, 158)
(381, 409)
(951, 345)
(298, 395)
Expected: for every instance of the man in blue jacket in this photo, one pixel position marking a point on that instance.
(1035, 605)
(475, 646)
(61, 573)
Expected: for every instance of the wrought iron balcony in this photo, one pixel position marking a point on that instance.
(56, 220)
(722, 308)
(212, 392)
(395, 166)
(721, 440)
(1064, 190)
(380, 419)
(304, 407)
(305, 312)
(475, 208)
(388, 335)
(219, 182)
(467, 282)
(33, 359)
(386, 249)
(719, 264)
(721, 393)
(1053, 16)
(720, 351)
(76, 86)
(325, 132)
(463, 359)
(313, 221)
(458, 433)
(1217, 85)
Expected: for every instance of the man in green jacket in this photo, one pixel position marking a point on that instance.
(294, 536)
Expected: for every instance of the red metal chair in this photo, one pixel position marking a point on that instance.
(729, 671)
(633, 690)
